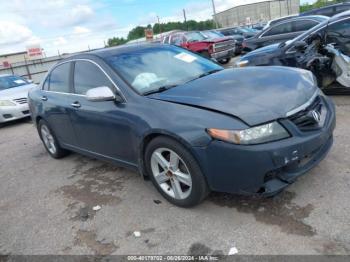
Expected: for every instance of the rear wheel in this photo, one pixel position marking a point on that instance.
(50, 141)
(175, 173)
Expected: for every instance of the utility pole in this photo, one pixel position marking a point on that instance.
(159, 26)
(214, 12)
(184, 11)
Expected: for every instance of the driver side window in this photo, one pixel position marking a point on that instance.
(339, 34)
(88, 76)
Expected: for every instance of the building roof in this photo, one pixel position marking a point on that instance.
(11, 54)
(254, 3)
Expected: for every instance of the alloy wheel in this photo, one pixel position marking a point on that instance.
(48, 139)
(171, 173)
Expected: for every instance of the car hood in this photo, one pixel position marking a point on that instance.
(254, 94)
(217, 40)
(265, 49)
(16, 92)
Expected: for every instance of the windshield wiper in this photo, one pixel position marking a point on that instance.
(158, 90)
(205, 74)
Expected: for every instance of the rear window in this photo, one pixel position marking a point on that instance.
(303, 25)
(284, 28)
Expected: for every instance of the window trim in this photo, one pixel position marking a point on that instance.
(72, 76)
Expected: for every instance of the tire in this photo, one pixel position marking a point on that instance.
(205, 54)
(50, 141)
(225, 61)
(186, 175)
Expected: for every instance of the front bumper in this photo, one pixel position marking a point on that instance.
(226, 54)
(11, 113)
(265, 169)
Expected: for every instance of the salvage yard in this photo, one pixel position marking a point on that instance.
(46, 207)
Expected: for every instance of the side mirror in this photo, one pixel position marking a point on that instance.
(99, 94)
(300, 45)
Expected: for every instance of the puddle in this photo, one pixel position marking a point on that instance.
(88, 239)
(279, 211)
(97, 185)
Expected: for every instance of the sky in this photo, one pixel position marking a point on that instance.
(73, 25)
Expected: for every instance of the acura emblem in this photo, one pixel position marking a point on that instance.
(316, 115)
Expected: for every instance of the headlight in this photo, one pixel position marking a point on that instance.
(6, 103)
(242, 63)
(255, 135)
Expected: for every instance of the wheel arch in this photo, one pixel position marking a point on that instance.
(148, 137)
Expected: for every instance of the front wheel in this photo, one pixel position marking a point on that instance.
(175, 173)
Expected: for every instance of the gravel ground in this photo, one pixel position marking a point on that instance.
(46, 207)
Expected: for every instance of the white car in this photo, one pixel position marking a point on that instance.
(13, 97)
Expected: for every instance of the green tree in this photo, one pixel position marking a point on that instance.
(139, 31)
(319, 4)
(116, 41)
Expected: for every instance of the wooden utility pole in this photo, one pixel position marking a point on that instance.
(185, 18)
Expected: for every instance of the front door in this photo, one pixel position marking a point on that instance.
(103, 128)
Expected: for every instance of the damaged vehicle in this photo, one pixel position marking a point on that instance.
(324, 50)
(185, 122)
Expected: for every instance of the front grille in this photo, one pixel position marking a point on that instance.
(225, 45)
(312, 117)
(22, 100)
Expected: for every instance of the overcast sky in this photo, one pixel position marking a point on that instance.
(73, 25)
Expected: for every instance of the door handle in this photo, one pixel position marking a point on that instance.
(76, 104)
(44, 98)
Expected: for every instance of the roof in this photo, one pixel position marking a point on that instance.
(112, 51)
(258, 2)
(17, 53)
(340, 15)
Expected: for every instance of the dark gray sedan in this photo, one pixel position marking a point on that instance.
(185, 122)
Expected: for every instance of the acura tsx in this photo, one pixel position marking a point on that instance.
(185, 122)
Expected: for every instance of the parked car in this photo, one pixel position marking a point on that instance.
(242, 31)
(185, 122)
(13, 97)
(238, 40)
(283, 31)
(335, 31)
(330, 10)
(220, 48)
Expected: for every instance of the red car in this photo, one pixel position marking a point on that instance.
(221, 48)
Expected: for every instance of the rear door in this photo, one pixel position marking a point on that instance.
(102, 128)
(56, 101)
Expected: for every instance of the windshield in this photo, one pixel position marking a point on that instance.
(194, 37)
(7, 82)
(152, 68)
(212, 34)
